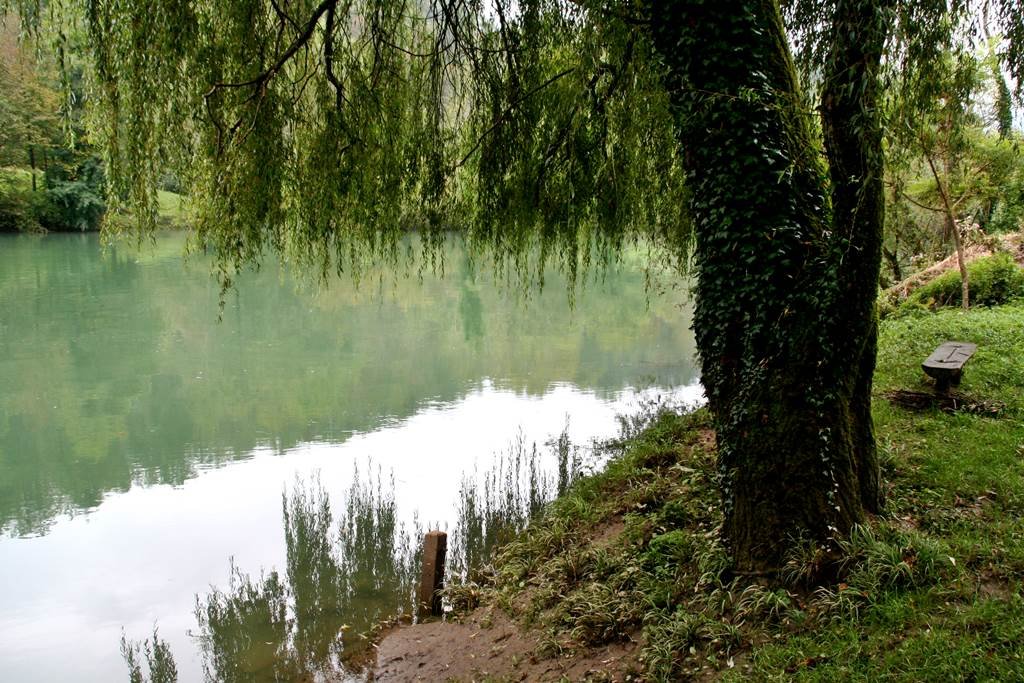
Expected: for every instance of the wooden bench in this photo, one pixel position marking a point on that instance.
(946, 364)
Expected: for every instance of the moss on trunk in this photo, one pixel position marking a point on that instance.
(787, 357)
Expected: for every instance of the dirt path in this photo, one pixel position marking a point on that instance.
(487, 645)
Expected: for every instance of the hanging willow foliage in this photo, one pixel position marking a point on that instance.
(326, 130)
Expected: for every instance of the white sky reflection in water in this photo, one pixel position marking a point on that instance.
(141, 557)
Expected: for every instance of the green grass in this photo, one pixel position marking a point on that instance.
(172, 209)
(172, 212)
(931, 589)
(171, 206)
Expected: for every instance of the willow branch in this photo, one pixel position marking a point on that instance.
(300, 41)
(501, 117)
(339, 90)
(283, 15)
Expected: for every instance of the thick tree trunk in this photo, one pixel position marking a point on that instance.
(853, 143)
(787, 358)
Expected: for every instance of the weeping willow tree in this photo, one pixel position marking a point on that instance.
(737, 136)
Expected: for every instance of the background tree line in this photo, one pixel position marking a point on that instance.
(954, 181)
(50, 176)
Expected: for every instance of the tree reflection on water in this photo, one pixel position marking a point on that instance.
(340, 581)
(346, 574)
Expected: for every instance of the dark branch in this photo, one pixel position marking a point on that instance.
(339, 89)
(283, 15)
(501, 117)
(297, 44)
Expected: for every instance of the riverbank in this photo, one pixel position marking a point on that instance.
(28, 205)
(623, 578)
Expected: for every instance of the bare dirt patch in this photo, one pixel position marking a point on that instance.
(488, 645)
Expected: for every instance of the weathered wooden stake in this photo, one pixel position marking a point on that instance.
(435, 548)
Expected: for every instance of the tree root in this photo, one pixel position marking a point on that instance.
(951, 402)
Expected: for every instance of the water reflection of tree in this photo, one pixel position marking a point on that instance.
(339, 582)
(344, 576)
(245, 630)
(496, 506)
(156, 654)
(379, 556)
(117, 374)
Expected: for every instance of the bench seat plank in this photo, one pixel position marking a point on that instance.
(946, 363)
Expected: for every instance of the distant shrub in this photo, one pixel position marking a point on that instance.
(994, 280)
(1008, 211)
(68, 200)
(1006, 217)
(66, 206)
(72, 206)
(18, 212)
(169, 182)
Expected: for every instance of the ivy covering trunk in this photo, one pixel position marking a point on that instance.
(788, 255)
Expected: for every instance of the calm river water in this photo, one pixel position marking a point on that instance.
(145, 447)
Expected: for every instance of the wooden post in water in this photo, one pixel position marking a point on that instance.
(435, 548)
